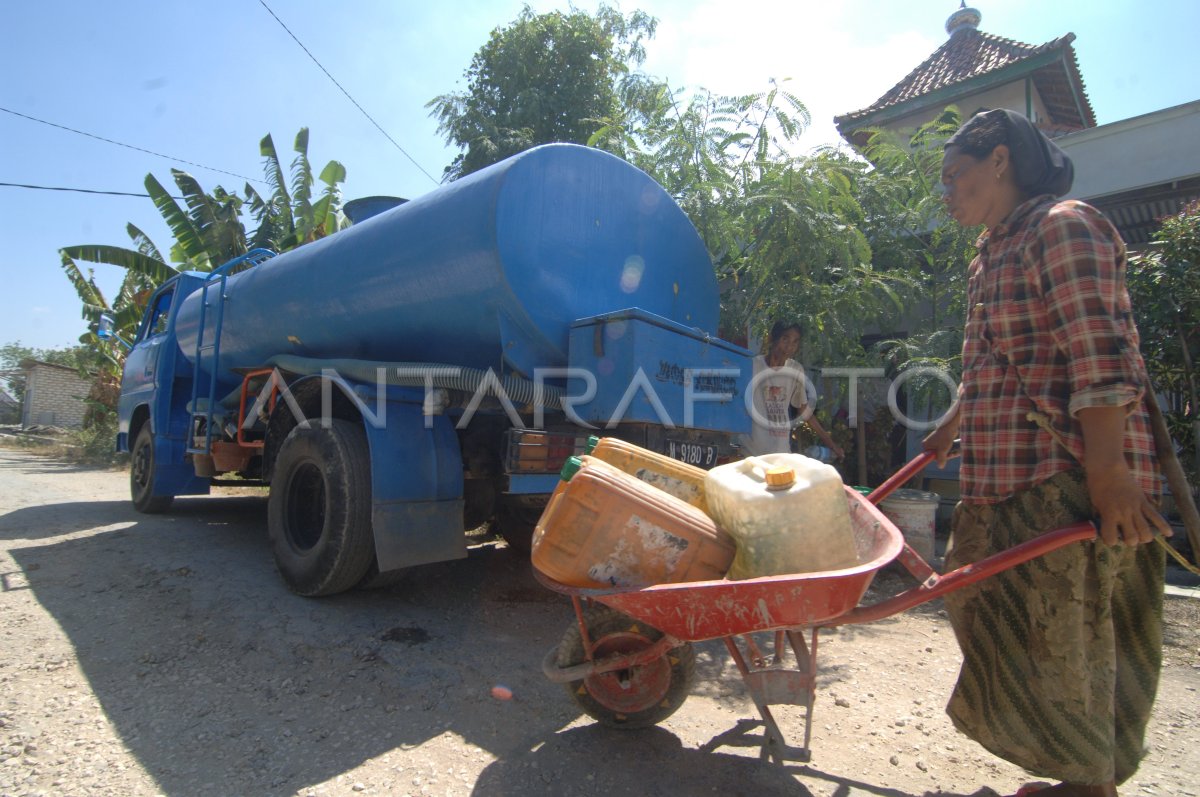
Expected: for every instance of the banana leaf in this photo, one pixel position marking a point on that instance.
(188, 241)
(154, 270)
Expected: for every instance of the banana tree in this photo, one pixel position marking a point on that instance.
(288, 217)
(208, 230)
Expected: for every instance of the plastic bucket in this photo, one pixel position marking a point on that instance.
(915, 513)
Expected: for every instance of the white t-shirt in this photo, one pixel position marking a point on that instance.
(772, 396)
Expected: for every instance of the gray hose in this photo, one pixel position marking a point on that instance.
(410, 374)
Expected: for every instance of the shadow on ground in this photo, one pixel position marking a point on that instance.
(592, 760)
(220, 681)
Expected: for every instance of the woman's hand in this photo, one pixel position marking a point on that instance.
(941, 439)
(1126, 514)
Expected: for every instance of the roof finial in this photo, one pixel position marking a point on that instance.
(963, 19)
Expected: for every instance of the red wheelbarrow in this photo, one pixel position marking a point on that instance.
(628, 661)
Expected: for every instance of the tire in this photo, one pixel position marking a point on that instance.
(319, 509)
(651, 692)
(515, 523)
(141, 476)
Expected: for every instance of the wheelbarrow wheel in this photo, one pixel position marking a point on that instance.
(637, 697)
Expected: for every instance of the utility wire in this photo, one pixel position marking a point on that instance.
(128, 146)
(80, 190)
(339, 85)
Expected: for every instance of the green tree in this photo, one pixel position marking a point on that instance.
(786, 232)
(290, 217)
(902, 200)
(545, 78)
(852, 247)
(1164, 285)
(911, 234)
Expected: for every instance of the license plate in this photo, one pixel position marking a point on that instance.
(697, 454)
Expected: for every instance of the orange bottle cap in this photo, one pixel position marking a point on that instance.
(780, 476)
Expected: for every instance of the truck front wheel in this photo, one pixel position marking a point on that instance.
(319, 510)
(141, 476)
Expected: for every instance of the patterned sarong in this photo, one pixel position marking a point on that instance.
(1061, 655)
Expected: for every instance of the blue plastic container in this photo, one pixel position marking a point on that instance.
(488, 271)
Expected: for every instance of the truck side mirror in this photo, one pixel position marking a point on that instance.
(104, 329)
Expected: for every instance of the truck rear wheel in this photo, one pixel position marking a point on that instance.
(319, 510)
(141, 476)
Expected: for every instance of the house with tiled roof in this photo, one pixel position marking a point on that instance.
(974, 70)
(1136, 170)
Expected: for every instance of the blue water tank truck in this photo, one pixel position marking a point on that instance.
(404, 380)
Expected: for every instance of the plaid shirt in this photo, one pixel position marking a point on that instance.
(1050, 330)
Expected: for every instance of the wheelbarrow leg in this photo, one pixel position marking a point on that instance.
(775, 684)
(806, 663)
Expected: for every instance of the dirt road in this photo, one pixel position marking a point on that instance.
(162, 655)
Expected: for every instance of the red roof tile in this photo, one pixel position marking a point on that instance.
(970, 53)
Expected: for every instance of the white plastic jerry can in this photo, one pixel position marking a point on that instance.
(787, 513)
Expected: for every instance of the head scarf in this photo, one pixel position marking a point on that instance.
(1039, 166)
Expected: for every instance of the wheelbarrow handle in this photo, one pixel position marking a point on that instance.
(938, 585)
(914, 466)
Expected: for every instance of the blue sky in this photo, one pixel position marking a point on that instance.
(203, 82)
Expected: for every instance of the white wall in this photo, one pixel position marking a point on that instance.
(1159, 147)
(1010, 96)
(54, 396)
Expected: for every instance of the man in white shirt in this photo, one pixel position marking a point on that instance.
(778, 384)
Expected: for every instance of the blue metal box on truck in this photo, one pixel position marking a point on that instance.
(649, 369)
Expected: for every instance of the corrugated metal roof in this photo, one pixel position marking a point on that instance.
(1138, 214)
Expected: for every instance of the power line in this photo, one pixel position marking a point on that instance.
(80, 190)
(339, 85)
(128, 146)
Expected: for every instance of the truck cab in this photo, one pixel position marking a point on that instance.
(151, 411)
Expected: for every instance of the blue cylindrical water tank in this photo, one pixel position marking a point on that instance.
(488, 271)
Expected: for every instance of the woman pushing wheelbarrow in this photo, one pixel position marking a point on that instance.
(1060, 631)
(1061, 656)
